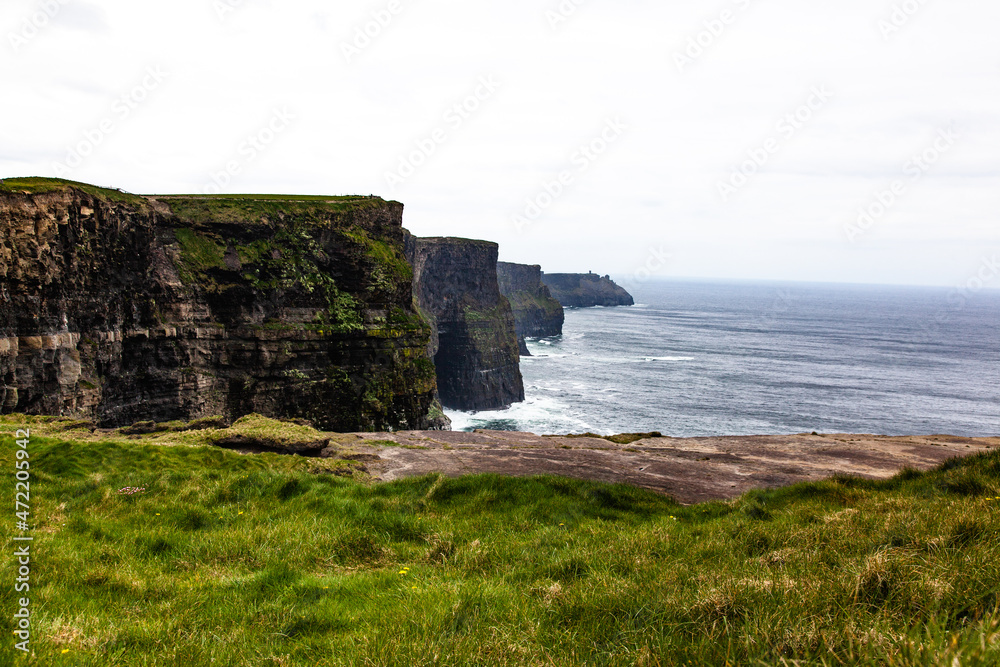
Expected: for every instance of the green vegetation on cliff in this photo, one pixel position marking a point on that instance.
(290, 306)
(318, 211)
(536, 312)
(388, 265)
(288, 260)
(536, 304)
(255, 560)
(37, 185)
(199, 254)
(524, 301)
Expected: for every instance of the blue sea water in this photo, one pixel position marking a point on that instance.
(712, 358)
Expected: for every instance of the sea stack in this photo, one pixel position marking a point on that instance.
(476, 352)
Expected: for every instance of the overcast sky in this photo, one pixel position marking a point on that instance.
(743, 138)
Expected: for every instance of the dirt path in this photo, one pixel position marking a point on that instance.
(689, 469)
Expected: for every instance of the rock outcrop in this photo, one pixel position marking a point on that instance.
(585, 290)
(120, 308)
(536, 313)
(476, 351)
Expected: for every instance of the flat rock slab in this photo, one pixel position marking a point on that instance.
(691, 470)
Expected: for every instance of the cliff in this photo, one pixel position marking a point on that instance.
(536, 313)
(584, 290)
(120, 308)
(476, 353)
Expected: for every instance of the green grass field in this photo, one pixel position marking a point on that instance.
(226, 559)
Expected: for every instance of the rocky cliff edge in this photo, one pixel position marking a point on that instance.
(120, 308)
(476, 353)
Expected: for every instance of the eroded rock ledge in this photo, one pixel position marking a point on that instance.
(690, 470)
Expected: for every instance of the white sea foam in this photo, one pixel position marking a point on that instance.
(632, 360)
(538, 414)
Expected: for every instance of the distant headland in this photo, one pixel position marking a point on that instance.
(586, 290)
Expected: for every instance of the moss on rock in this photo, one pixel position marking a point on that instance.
(272, 290)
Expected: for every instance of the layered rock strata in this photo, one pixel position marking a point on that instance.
(476, 347)
(121, 308)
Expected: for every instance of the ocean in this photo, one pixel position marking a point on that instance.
(714, 358)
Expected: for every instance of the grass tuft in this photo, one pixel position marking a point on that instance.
(261, 559)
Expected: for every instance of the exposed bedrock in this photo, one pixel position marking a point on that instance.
(536, 313)
(585, 290)
(476, 353)
(122, 308)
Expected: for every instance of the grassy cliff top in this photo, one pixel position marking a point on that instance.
(456, 243)
(241, 208)
(261, 197)
(453, 240)
(36, 185)
(255, 209)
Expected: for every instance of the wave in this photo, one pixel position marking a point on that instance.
(630, 360)
(537, 414)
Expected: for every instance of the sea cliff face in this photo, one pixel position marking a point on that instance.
(536, 313)
(120, 308)
(585, 290)
(476, 353)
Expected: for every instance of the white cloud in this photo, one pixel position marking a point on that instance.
(657, 185)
